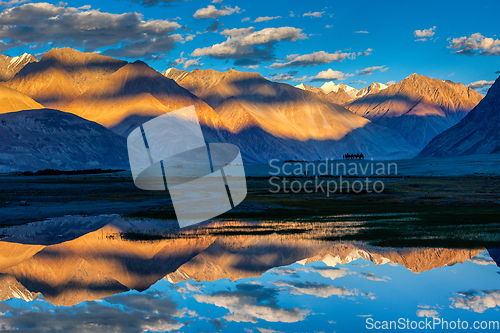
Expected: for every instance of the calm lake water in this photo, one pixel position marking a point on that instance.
(78, 274)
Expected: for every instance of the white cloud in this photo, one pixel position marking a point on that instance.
(361, 32)
(313, 14)
(212, 12)
(480, 84)
(249, 47)
(315, 289)
(252, 303)
(235, 32)
(192, 63)
(267, 330)
(425, 33)
(365, 53)
(280, 77)
(300, 78)
(192, 287)
(477, 301)
(482, 261)
(427, 313)
(372, 277)
(11, 3)
(239, 318)
(388, 83)
(246, 19)
(330, 75)
(265, 18)
(475, 42)
(328, 26)
(216, 1)
(125, 313)
(370, 70)
(358, 82)
(179, 60)
(333, 273)
(313, 59)
(37, 24)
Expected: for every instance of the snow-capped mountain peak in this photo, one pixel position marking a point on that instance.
(301, 86)
(374, 87)
(330, 86)
(20, 60)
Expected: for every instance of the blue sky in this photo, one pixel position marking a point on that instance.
(293, 41)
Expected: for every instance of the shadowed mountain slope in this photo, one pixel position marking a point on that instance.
(418, 108)
(478, 133)
(51, 139)
(289, 123)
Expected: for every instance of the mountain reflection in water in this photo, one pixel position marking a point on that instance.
(75, 274)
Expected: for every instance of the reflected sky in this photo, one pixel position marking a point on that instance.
(99, 282)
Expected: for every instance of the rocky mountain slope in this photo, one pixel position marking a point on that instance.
(12, 100)
(418, 108)
(137, 93)
(373, 88)
(277, 120)
(51, 139)
(11, 66)
(62, 75)
(477, 133)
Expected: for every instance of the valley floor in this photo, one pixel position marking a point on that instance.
(454, 211)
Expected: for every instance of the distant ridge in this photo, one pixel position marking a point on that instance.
(478, 133)
(11, 66)
(418, 108)
(373, 88)
(339, 97)
(276, 120)
(62, 75)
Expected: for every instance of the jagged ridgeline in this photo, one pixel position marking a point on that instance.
(265, 119)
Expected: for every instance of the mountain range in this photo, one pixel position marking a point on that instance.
(477, 133)
(339, 96)
(265, 119)
(276, 120)
(418, 108)
(62, 75)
